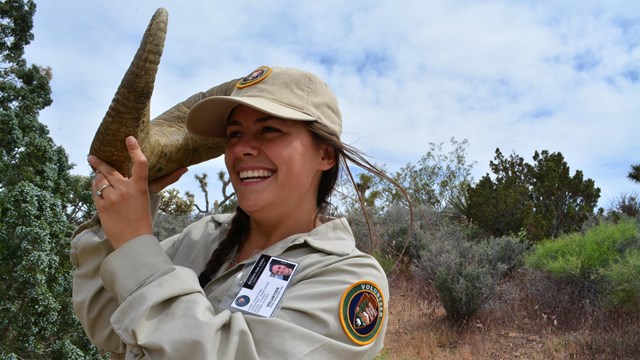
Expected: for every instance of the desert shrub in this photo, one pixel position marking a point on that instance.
(386, 261)
(166, 225)
(464, 288)
(443, 247)
(391, 231)
(360, 229)
(503, 254)
(624, 280)
(625, 205)
(396, 235)
(604, 261)
(465, 273)
(584, 255)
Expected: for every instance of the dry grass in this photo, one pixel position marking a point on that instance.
(529, 318)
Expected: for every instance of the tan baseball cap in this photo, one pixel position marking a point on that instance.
(286, 93)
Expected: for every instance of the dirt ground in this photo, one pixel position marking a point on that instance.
(521, 322)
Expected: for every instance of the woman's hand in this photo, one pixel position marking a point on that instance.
(123, 203)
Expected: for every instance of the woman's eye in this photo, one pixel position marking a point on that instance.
(269, 129)
(233, 134)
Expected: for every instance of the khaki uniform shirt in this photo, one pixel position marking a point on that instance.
(144, 299)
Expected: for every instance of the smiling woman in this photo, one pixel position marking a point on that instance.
(235, 285)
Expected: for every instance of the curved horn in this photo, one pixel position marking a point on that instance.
(171, 146)
(165, 141)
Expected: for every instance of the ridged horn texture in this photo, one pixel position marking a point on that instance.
(165, 141)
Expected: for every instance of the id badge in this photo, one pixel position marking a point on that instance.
(263, 288)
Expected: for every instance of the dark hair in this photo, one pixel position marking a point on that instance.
(239, 230)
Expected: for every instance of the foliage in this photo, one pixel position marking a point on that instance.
(634, 174)
(397, 239)
(346, 195)
(625, 205)
(36, 319)
(583, 255)
(38, 199)
(168, 224)
(226, 205)
(431, 182)
(463, 289)
(503, 254)
(367, 189)
(229, 202)
(80, 205)
(172, 203)
(436, 177)
(605, 256)
(624, 280)
(386, 261)
(541, 199)
(465, 271)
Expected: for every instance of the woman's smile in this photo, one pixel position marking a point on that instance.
(247, 176)
(274, 163)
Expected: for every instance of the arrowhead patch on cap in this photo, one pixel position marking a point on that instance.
(255, 77)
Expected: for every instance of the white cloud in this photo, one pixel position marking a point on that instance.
(514, 75)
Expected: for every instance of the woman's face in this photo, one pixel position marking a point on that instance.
(274, 164)
(280, 270)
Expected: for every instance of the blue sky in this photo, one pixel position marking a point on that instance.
(521, 76)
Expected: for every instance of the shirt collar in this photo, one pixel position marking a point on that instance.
(332, 237)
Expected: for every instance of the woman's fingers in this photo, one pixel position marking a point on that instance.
(102, 168)
(123, 203)
(140, 170)
(101, 181)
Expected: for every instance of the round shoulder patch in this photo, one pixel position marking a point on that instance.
(362, 312)
(255, 77)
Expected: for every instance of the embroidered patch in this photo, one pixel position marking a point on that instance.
(255, 77)
(362, 312)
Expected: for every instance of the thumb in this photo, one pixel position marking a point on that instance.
(140, 169)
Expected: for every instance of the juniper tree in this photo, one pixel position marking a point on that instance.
(543, 199)
(36, 318)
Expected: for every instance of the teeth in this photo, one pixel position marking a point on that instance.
(252, 174)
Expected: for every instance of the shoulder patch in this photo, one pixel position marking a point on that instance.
(255, 77)
(362, 311)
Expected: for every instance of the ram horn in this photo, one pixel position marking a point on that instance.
(165, 141)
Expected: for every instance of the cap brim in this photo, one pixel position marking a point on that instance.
(208, 117)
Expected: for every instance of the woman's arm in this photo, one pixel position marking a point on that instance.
(165, 314)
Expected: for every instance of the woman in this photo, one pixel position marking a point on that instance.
(206, 293)
(281, 269)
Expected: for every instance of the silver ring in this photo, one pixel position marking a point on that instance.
(99, 192)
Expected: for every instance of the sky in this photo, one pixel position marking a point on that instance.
(520, 76)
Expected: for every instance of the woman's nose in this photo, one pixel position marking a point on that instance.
(246, 146)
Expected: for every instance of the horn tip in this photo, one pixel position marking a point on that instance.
(161, 12)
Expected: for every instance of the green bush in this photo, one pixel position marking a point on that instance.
(386, 261)
(624, 280)
(605, 258)
(583, 255)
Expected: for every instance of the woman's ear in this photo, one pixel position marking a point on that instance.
(328, 159)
